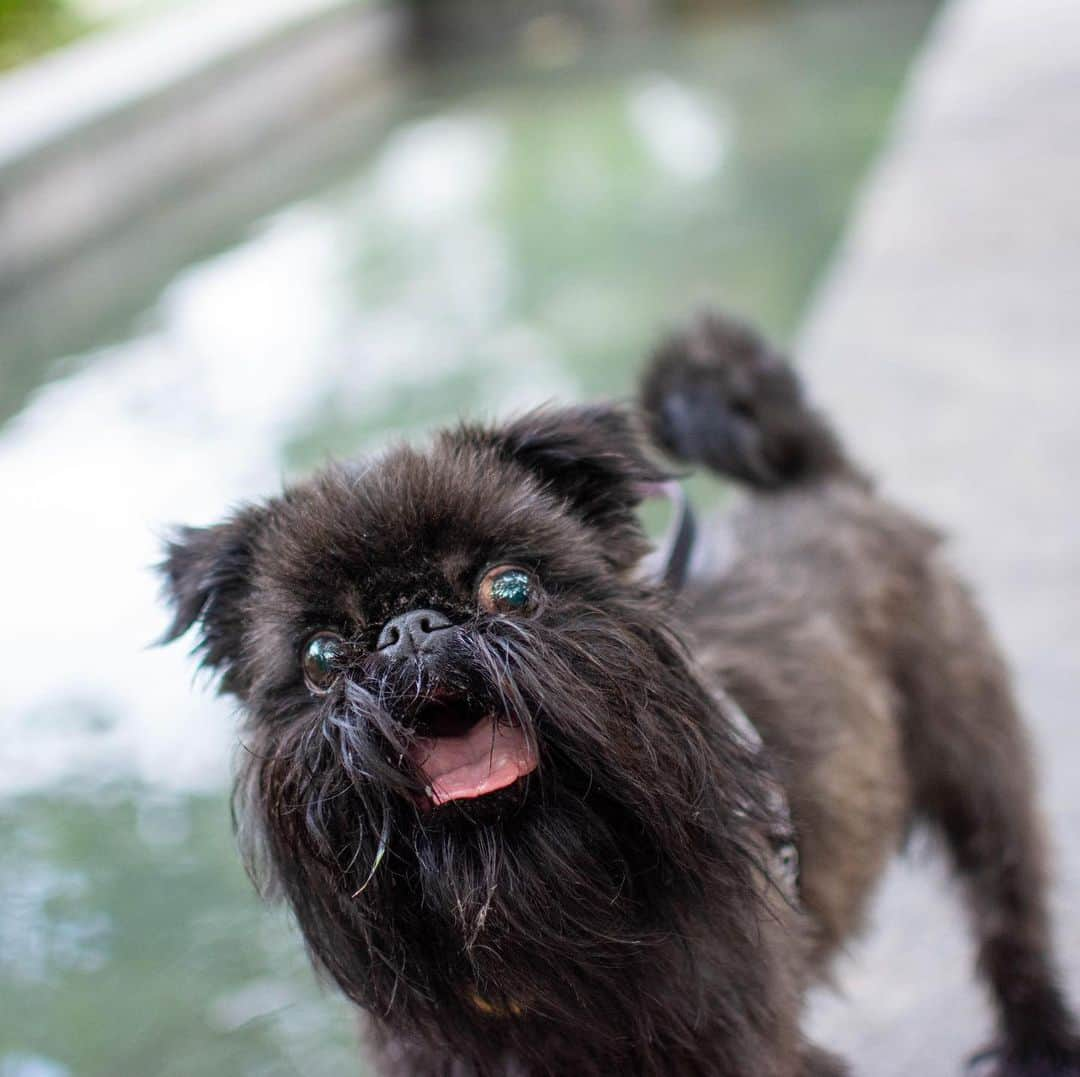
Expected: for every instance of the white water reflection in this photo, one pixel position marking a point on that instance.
(434, 170)
(19, 1064)
(173, 425)
(44, 926)
(684, 133)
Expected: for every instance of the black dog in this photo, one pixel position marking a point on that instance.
(508, 785)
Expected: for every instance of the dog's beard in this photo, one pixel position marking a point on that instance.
(544, 896)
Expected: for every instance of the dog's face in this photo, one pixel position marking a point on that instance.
(475, 749)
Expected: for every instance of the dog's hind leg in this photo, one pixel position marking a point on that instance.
(973, 781)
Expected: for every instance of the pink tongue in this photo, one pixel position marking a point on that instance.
(487, 758)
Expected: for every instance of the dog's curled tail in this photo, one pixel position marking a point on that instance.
(715, 393)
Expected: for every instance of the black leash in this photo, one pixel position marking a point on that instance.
(677, 567)
(673, 569)
(671, 562)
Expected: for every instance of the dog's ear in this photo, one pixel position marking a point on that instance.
(590, 455)
(207, 578)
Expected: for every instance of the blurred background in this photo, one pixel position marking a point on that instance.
(238, 238)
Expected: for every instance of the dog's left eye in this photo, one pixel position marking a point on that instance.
(320, 660)
(507, 589)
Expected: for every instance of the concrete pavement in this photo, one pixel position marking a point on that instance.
(946, 343)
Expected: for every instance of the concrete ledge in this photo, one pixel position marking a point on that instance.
(945, 344)
(102, 132)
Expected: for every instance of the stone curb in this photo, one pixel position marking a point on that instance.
(99, 133)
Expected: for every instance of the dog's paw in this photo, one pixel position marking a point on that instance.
(1054, 1061)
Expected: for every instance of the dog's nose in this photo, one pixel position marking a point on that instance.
(414, 633)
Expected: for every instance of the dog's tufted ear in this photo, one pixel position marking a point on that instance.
(590, 455)
(207, 578)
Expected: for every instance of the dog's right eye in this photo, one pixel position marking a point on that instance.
(320, 660)
(507, 589)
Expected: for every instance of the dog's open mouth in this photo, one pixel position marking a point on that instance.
(465, 753)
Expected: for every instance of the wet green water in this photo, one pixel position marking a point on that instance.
(515, 234)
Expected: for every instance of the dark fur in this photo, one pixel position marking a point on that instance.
(619, 911)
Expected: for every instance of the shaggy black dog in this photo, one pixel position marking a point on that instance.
(507, 781)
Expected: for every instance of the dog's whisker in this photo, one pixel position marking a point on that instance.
(380, 853)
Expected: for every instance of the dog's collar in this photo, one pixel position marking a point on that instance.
(671, 562)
